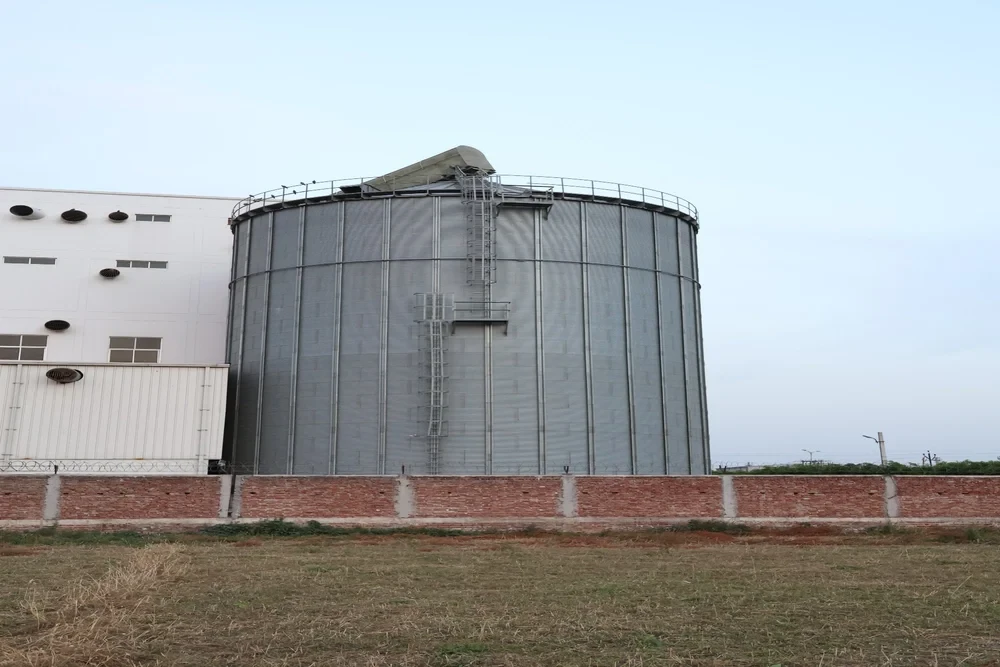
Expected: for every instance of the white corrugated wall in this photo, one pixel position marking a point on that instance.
(117, 419)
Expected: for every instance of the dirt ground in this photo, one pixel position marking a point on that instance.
(810, 595)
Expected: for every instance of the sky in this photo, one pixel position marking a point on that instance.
(844, 157)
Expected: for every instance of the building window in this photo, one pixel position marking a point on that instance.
(15, 347)
(29, 260)
(140, 264)
(128, 350)
(150, 217)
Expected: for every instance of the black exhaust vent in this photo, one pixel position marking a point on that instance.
(110, 273)
(57, 325)
(74, 215)
(118, 216)
(64, 375)
(21, 211)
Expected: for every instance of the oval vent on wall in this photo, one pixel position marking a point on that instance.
(110, 273)
(21, 211)
(118, 216)
(64, 375)
(74, 215)
(57, 325)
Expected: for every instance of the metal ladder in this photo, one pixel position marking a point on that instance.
(481, 252)
(434, 314)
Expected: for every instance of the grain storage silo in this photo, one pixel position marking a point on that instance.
(450, 320)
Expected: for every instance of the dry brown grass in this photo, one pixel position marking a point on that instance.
(506, 600)
(94, 621)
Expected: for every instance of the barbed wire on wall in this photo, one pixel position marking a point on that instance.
(220, 467)
(445, 468)
(103, 466)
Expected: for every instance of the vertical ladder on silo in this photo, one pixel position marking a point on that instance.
(434, 313)
(481, 252)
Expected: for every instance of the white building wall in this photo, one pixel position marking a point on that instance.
(184, 304)
(119, 418)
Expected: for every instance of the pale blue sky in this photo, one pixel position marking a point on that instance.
(845, 157)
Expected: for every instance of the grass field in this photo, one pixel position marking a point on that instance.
(804, 597)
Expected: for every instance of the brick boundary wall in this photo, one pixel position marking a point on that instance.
(486, 497)
(571, 502)
(810, 496)
(314, 497)
(609, 497)
(103, 498)
(931, 497)
(22, 498)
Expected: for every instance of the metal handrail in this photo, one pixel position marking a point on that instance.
(541, 186)
(482, 310)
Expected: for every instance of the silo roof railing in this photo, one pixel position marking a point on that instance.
(588, 188)
(508, 187)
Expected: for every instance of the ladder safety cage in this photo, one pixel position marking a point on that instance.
(434, 312)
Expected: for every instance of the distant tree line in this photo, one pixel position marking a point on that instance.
(891, 468)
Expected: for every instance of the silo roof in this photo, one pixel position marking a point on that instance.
(438, 167)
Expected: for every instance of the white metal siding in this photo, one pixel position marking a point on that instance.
(118, 418)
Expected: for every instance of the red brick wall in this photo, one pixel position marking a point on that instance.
(102, 497)
(317, 497)
(941, 497)
(21, 498)
(810, 496)
(485, 498)
(482, 497)
(666, 497)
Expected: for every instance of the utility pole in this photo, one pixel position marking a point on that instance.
(881, 446)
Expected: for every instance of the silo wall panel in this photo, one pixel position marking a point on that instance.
(515, 236)
(241, 239)
(232, 358)
(561, 233)
(674, 380)
(260, 230)
(565, 402)
(515, 388)
(411, 236)
(694, 379)
(684, 233)
(410, 232)
(604, 234)
(275, 416)
(358, 395)
(463, 451)
(454, 233)
(285, 241)
(250, 371)
(646, 382)
(610, 374)
(639, 238)
(666, 244)
(363, 222)
(404, 389)
(321, 238)
(314, 382)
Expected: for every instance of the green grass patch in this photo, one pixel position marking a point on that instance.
(282, 528)
(712, 526)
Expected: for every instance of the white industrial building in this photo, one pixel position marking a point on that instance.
(131, 290)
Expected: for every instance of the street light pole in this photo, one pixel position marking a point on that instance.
(881, 446)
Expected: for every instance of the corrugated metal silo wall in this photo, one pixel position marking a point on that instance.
(600, 371)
